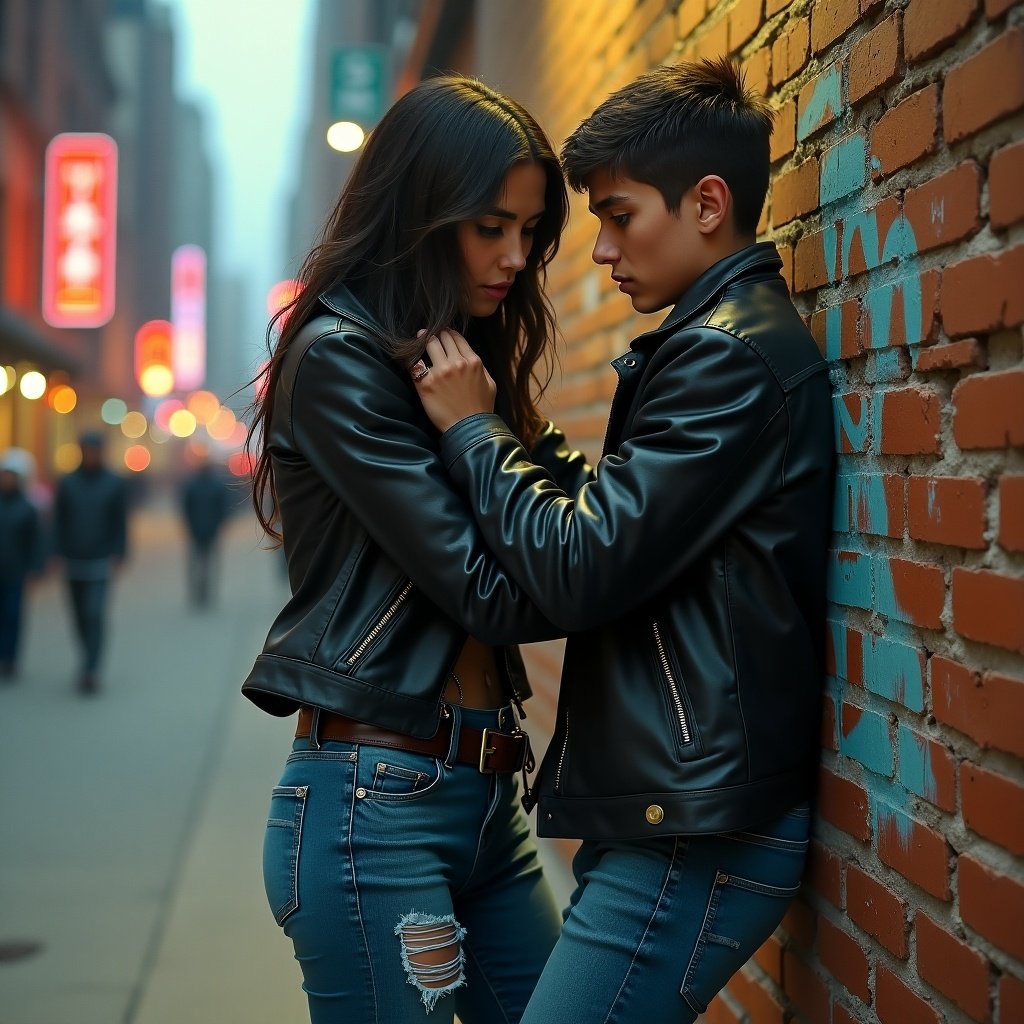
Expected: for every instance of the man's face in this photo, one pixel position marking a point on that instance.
(9, 482)
(92, 456)
(654, 255)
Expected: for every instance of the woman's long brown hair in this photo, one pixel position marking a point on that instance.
(438, 157)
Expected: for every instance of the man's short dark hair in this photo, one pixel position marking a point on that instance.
(674, 125)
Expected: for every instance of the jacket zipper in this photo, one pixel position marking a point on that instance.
(666, 668)
(561, 757)
(611, 407)
(384, 620)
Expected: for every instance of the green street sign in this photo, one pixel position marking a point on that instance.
(359, 87)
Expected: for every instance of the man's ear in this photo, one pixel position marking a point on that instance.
(713, 202)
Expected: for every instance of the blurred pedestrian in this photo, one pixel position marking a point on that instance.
(205, 505)
(418, 886)
(21, 551)
(90, 522)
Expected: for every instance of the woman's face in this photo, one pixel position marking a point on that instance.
(495, 245)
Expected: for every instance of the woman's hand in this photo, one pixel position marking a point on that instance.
(456, 384)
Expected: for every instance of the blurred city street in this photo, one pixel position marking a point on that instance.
(133, 820)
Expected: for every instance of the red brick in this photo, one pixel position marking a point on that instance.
(757, 70)
(988, 410)
(993, 9)
(768, 956)
(1011, 512)
(744, 21)
(953, 968)
(945, 209)
(870, 6)
(786, 255)
(841, 1015)
(824, 872)
(947, 510)
(897, 1004)
(844, 804)
(875, 60)
(993, 806)
(929, 24)
(849, 328)
(989, 607)
(691, 14)
(761, 1006)
(715, 41)
(809, 264)
(910, 422)
(842, 956)
(805, 988)
(662, 41)
(970, 100)
(989, 708)
(772, 7)
(831, 21)
(1005, 196)
(882, 217)
(795, 192)
(983, 293)
(877, 909)
(917, 852)
(800, 923)
(919, 593)
(993, 905)
(790, 50)
(807, 95)
(1011, 999)
(953, 356)
(783, 138)
(906, 133)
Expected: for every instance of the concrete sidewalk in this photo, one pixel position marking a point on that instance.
(131, 842)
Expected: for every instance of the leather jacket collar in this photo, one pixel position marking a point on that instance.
(712, 281)
(341, 299)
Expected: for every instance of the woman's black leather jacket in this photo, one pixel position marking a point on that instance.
(690, 574)
(388, 571)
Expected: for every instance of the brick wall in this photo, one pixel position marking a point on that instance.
(895, 209)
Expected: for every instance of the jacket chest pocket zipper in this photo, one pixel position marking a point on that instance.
(673, 686)
(378, 629)
(561, 756)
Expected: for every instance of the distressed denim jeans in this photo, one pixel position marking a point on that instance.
(656, 927)
(410, 888)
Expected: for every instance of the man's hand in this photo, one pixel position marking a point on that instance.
(456, 384)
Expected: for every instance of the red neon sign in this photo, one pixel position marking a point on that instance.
(79, 230)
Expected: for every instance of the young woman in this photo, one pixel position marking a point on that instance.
(397, 857)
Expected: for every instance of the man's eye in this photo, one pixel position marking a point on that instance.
(621, 219)
(487, 231)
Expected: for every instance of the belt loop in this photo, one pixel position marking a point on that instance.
(314, 729)
(453, 747)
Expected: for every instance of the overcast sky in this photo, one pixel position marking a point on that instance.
(244, 61)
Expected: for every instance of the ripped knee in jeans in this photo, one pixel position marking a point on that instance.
(432, 954)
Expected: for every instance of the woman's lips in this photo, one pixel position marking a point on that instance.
(497, 291)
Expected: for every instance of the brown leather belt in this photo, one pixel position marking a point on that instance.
(487, 750)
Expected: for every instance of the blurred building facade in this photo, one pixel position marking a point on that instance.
(92, 66)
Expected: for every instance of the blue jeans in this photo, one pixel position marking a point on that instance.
(11, 600)
(656, 927)
(408, 886)
(89, 607)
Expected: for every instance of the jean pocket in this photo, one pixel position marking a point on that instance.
(386, 774)
(741, 913)
(282, 846)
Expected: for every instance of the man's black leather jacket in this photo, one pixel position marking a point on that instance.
(690, 574)
(388, 571)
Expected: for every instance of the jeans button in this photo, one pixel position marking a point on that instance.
(360, 793)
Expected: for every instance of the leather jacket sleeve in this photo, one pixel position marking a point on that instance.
(704, 445)
(356, 419)
(569, 469)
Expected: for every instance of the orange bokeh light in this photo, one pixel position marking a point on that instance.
(137, 458)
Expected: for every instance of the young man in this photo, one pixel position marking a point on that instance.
(690, 572)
